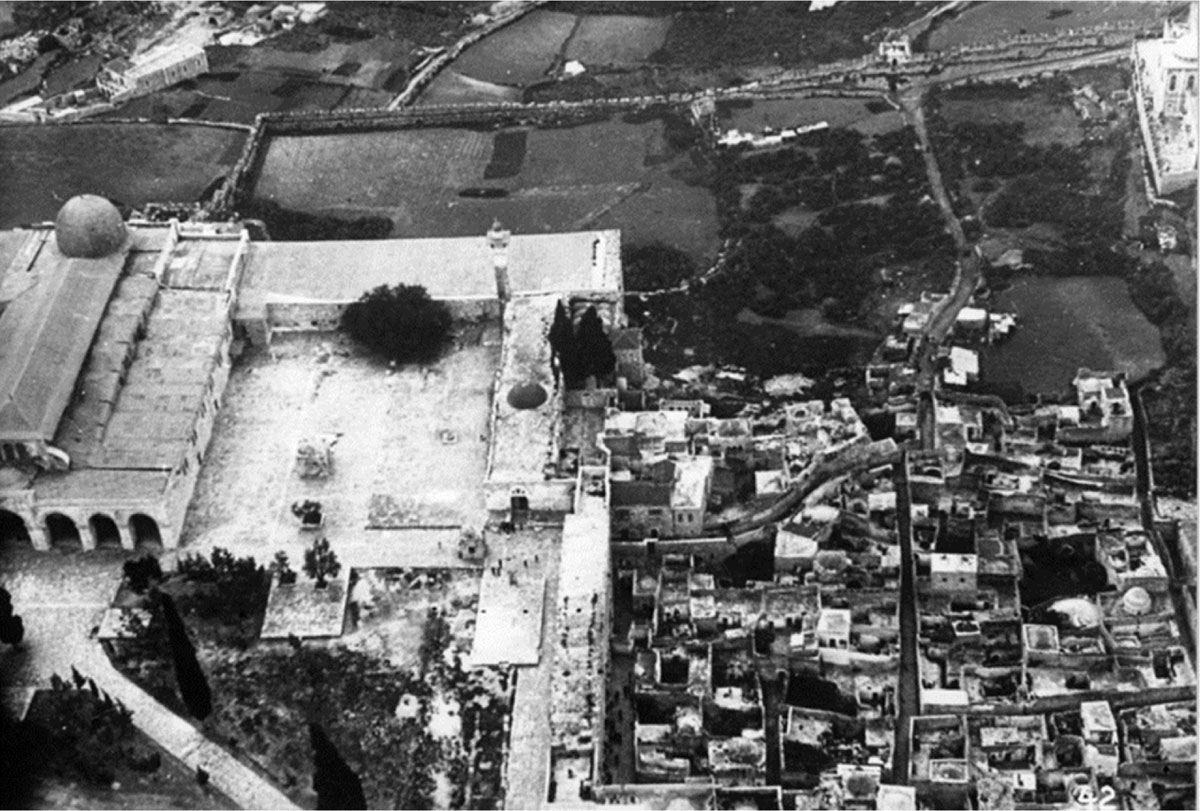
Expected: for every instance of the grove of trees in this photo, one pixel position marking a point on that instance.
(583, 351)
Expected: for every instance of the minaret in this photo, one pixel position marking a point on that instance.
(498, 237)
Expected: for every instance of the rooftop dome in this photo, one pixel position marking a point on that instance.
(88, 227)
(527, 395)
(1137, 601)
(1079, 612)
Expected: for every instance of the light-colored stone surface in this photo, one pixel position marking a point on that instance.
(386, 423)
(527, 775)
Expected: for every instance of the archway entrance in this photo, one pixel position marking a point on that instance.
(518, 505)
(104, 530)
(145, 531)
(62, 533)
(13, 529)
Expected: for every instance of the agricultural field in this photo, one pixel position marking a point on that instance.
(984, 22)
(44, 166)
(613, 173)
(1065, 323)
(452, 87)
(637, 49)
(1047, 119)
(240, 97)
(778, 33)
(519, 54)
(616, 39)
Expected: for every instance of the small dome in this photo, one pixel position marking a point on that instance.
(1078, 612)
(1137, 601)
(88, 227)
(527, 395)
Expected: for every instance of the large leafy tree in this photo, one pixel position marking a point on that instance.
(402, 323)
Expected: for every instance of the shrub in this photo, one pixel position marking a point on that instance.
(320, 562)
(139, 573)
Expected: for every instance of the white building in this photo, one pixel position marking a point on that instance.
(1166, 72)
(122, 79)
(954, 572)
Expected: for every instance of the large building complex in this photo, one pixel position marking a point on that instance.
(118, 339)
(1166, 72)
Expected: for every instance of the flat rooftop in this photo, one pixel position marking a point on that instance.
(523, 439)
(54, 307)
(449, 268)
(140, 414)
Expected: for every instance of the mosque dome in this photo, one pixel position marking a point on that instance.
(1137, 601)
(527, 395)
(88, 227)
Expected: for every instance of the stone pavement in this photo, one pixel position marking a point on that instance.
(61, 598)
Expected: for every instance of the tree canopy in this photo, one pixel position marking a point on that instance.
(402, 323)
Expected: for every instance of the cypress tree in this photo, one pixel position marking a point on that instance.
(336, 784)
(562, 343)
(596, 356)
(193, 687)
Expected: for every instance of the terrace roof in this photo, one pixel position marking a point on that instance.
(449, 268)
(45, 333)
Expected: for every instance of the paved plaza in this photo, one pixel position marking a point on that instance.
(415, 436)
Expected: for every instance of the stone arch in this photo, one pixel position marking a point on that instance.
(144, 530)
(13, 529)
(104, 530)
(518, 500)
(62, 532)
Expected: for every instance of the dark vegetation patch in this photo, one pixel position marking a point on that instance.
(288, 225)
(834, 263)
(508, 154)
(421, 23)
(866, 198)
(714, 34)
(1170, 396)
(655, 266)
(265, 695)
(76, 741)
(1056, 184)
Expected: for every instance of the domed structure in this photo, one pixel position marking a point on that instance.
(1078, 612)
(1137, 601)
(89, 227)
(527, 395)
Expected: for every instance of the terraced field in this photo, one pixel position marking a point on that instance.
(604, 174)
(42, 167)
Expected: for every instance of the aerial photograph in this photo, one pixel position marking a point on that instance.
(547, 405)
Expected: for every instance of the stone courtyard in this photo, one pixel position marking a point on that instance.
(408, 446)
